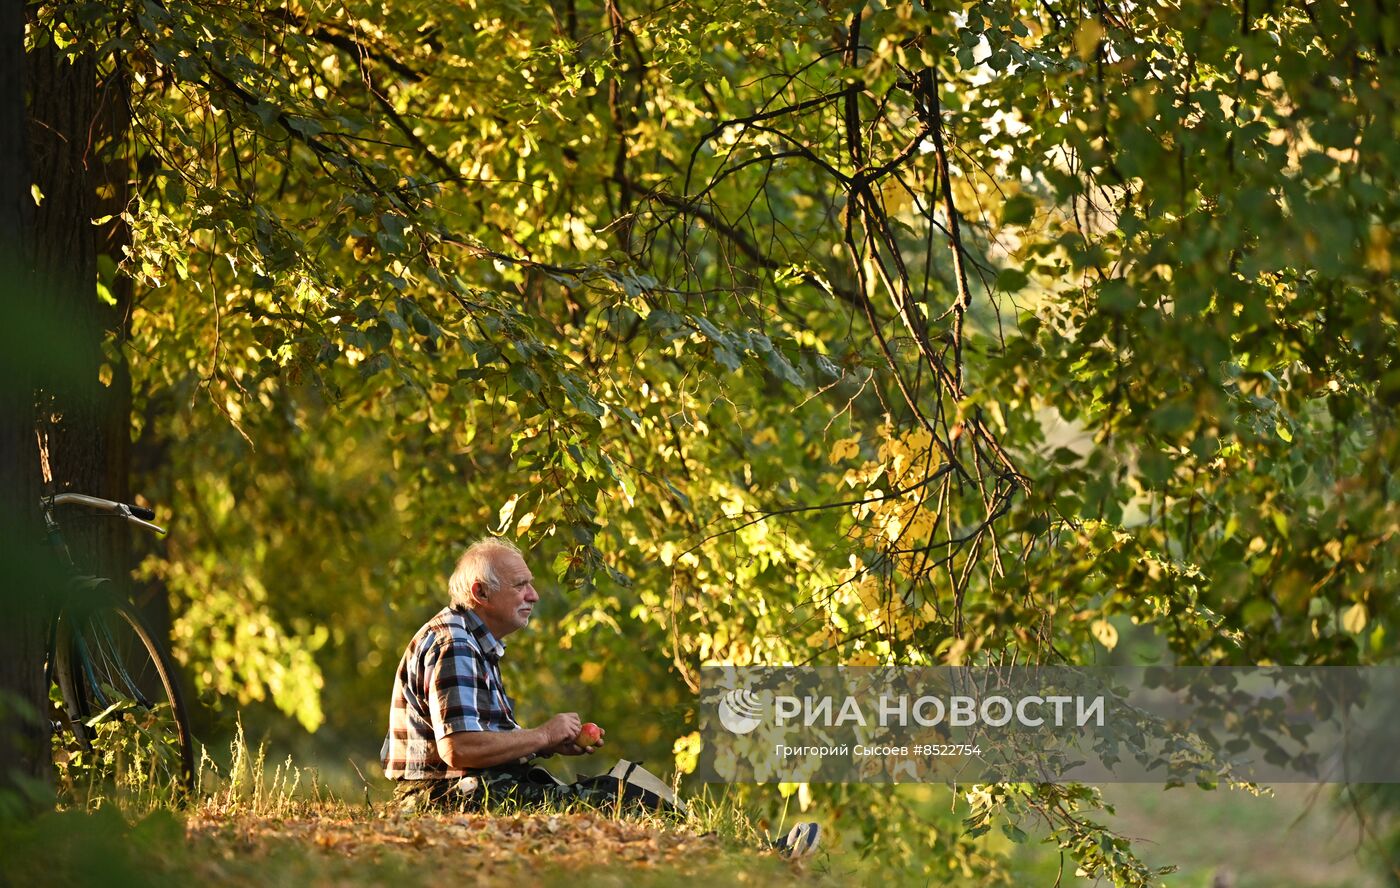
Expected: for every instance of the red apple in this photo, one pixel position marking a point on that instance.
(589, 736)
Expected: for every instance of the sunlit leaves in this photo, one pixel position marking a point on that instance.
(437, 261)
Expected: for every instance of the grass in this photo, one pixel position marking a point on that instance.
(255, 819)
(252, 821)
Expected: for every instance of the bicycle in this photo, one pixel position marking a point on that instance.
(119, 694)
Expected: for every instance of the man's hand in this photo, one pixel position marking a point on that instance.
(561, 729)
(571, 747)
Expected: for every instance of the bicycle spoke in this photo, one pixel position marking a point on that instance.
(114, 662)
(126, 702)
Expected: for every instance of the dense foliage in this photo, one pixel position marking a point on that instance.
(779, 331)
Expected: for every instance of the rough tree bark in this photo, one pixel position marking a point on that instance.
(22, 740)
(61, 383)
(85, 408)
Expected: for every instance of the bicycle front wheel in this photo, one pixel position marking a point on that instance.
(131, 714)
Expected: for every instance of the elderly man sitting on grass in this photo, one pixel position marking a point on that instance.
(453, 742)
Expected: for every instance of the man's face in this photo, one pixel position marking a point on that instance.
(508, 608)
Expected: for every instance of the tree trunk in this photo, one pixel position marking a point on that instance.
(67, 148)
(62, 384)
(23, 740)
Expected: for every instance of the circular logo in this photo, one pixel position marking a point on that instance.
(740, 711)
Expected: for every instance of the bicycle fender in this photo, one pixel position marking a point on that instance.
(86, 583)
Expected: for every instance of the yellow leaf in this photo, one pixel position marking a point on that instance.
(1378, 250)
(1354, 618)
(893, 527)
(896, 197)
(1086, 39)
(524, 523)
(845, 449)
(870, 594)
(766, 436)
(687, 752)
(1105, 632)
(508, 511)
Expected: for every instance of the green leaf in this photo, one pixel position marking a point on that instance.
(374, 364)
(266, 112)
(379, 336)
(581, 399)
(1014, 833)
(1011, 280)
(1117, 297)
(306, 126)
(712, 332)
(524, 377)
(395, 321)
(1018, 210)
(726, 358)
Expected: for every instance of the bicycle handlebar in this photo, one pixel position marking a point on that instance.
(133, 513)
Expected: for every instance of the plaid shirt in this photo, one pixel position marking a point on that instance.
(449, 680)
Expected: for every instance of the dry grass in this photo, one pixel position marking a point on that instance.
(252, 823)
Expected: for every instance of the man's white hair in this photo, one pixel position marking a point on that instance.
(478, 564)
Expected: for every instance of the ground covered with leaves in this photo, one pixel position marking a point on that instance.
(349, 848)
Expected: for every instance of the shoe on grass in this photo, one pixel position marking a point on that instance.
(801, 841)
